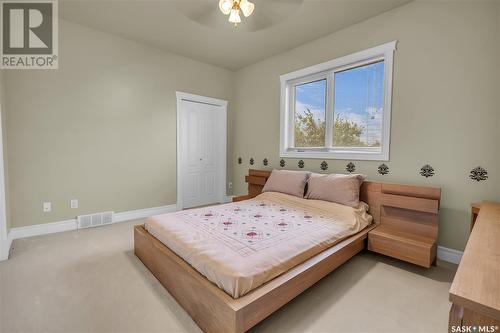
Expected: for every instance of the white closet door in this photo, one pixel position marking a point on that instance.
(202, 153)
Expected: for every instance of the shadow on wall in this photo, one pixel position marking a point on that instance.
(460, 220)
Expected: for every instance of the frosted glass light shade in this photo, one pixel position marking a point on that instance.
(225, 6)
(235, 16)
(247, 7)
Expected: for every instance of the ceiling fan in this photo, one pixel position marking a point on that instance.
(233, 7)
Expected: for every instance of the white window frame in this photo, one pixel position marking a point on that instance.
(327, 71)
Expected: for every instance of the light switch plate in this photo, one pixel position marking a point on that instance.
(73, 203)
(47, 207)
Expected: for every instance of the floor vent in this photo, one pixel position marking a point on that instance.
(94, 220)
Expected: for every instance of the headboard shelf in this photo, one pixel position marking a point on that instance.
(410, 202)
(421, 199)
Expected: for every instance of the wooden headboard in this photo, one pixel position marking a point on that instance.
(389, 203)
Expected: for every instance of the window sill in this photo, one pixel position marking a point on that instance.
(336, 155)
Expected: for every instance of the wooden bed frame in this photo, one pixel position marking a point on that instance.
(213, 309)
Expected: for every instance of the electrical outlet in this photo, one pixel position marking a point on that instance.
(47, 207)
(73, 203)
(230, 185)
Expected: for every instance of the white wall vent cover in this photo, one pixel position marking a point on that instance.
(94, 220)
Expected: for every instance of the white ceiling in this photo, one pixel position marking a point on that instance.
(197, 29)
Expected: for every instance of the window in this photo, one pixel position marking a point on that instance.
(340, 109)
(310, 111)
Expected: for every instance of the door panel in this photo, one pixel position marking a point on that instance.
(210, 155)
(190, 126)
(211, 185)
(210, 148)
(192, 188)
(202, 154)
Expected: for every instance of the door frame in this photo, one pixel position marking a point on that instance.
(4, 238)
(182, 96)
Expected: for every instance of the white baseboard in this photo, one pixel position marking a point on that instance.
(42, 229)
(9, 245)
(143, 213)
(449, 255)
(6, 249)
(225, 199)
(68, 225)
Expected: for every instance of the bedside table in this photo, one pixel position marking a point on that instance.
(409, 223)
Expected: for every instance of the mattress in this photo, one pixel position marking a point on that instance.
(240, 246)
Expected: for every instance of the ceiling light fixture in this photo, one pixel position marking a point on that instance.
(233, 7)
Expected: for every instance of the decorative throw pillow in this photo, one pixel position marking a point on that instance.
(288, 182)
(342, 189)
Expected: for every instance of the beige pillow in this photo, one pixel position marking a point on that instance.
(288, 182)
(342, 189)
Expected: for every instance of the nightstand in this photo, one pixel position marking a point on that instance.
(409, 225)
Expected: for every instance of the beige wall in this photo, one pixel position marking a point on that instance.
(101, 129)
(445, 102)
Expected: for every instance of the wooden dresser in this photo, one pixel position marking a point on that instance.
(475, 292)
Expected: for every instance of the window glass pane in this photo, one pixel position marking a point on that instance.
(310, 106)
(358, 107)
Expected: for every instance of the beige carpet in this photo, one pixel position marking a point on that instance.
(90, 281)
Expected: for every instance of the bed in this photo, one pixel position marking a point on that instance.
(277, 261)
(240, 246)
